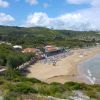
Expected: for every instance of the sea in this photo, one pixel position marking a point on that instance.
(90, 69)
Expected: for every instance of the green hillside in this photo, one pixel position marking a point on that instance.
(13, 83)
(15, 86)
(39, 36)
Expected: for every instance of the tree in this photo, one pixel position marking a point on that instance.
(93, 40)
(2, 60)
(14, 61)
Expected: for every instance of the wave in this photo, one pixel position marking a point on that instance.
(90, 77)
(89, 73)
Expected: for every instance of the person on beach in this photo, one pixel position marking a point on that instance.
(54, 63)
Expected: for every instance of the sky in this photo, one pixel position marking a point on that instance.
(56, 14)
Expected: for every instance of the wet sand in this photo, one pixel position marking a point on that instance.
(65, 70)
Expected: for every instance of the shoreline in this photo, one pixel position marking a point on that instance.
(66, 69)
(85, 76)
(82, 76)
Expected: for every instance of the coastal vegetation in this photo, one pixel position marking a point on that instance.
(12, 58)
(13, 83)
(39, 36)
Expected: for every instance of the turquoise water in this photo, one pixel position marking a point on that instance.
(91, 68)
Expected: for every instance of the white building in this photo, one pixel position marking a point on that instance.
(17, 47)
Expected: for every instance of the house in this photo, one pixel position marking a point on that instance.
(30, 50)
(37, 52)
(53, 50)
(17, 47)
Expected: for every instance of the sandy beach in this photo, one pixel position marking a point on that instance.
(66, 68)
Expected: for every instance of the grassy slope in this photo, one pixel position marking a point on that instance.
(13, 84)
(39, 36)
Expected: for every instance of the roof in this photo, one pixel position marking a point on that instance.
(51, 48)
(17, 46)
(30, 50)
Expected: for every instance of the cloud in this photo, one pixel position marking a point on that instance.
(92, 13)
(82, 19)
(95, 3)
(5, 18)
(45, 5)
(4, 4)
(91, 2)
(78, 1)
(32, 2)
(67, 21)
(37, 19)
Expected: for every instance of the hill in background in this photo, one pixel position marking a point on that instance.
(40, 36)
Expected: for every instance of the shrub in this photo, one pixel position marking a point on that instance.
(10, 96)
(14, 61)
(75, 86)
(57, 88)
(49, 89)
(33, 80)
(2, 81)
(11, 74)
(23, 88)
(91, 94)
(55, 83)
(2, 60)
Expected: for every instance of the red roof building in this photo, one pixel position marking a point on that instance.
(30, 50)
(51, 48)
